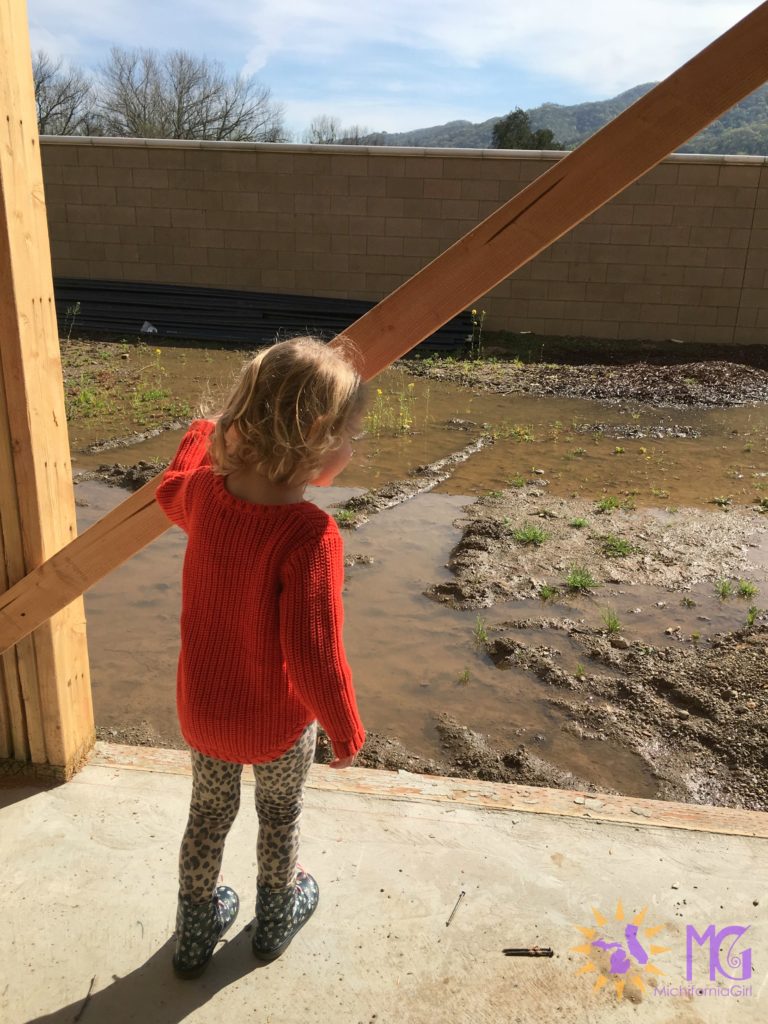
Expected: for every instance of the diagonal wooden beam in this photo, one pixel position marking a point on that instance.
(713, 81)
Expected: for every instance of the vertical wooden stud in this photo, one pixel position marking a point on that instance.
(46, 713)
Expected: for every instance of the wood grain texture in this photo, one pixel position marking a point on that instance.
(501, 796)
(708, 85)
(46, 709)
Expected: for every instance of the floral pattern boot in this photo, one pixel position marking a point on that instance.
(199, 926)
(280, 914)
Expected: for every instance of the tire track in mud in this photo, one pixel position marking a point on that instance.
(357, 510)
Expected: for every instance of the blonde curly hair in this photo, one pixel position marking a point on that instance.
(293, 404)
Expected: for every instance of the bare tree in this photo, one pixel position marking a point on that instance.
(327, 130)
(323, 130)
(355, 135)
(176, 95)
(64, 97)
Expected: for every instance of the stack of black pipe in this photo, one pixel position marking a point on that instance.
(107, 309)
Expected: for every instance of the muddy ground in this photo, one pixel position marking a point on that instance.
(619, 546)
(697, 716)
(696, 712)
(718, 383)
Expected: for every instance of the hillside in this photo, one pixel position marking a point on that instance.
(744, 129)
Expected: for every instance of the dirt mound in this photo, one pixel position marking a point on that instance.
(697, 715)
(616, 545)
(716, 383)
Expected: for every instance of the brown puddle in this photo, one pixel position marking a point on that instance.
(413, 657)
(408, 653)
(577, 446)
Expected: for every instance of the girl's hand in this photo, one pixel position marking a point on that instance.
(342, 762)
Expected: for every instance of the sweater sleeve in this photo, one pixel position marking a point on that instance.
(191, 455)
(311, 622)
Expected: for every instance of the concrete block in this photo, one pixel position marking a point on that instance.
(709, 276)
(698, 174)
(126, 156)
(188, 218)
(149, 177)
(405, 188)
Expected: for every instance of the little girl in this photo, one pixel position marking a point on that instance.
(262, 657)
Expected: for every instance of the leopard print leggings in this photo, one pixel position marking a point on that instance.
(214, 806)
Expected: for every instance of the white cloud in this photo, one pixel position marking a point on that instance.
(68, 28)
(601, 45)
(404, 63)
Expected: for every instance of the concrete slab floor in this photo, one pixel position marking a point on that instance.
(91, 872)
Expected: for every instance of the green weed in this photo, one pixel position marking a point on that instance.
(580, 578)
(151, 399)
(70, 317)
(87, 399)
(746, 588)
(476, 338)
(723, 589)
(530, 534)
(578, 524)
(520, 432)
(752, 614)
(344, 517)
(611, 620)
(547, 593)
(607, 504)
(391, 413)
(616, 547)
(480, 632)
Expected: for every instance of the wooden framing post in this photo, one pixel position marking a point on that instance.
(46, 714)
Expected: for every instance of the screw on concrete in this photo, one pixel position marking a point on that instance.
(462, 894)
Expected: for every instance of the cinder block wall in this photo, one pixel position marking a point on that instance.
(683, 253)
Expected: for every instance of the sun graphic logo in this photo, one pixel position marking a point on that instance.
(630, 960)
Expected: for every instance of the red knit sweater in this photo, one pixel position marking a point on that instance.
(262, 653)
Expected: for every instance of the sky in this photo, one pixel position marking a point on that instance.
(403, 64)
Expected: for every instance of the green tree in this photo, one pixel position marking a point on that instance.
(515, 132)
